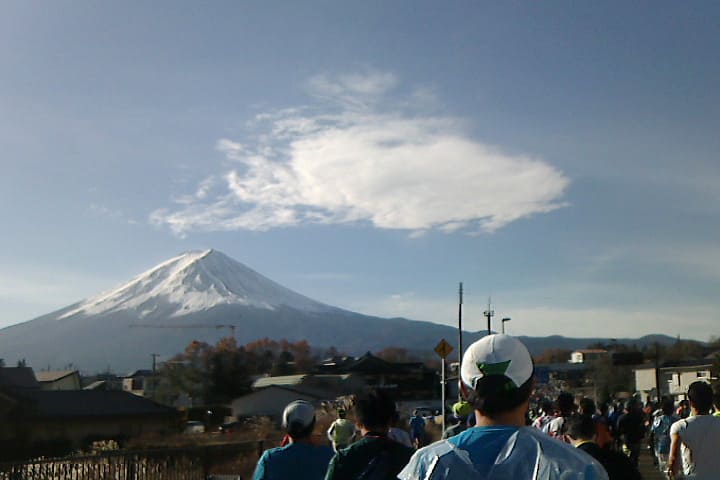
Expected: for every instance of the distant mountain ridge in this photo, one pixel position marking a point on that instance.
(191, 296)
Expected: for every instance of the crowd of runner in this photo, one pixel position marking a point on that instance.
(496, 434)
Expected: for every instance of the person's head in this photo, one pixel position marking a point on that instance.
(668, 407)
(580, 428)
(631, 404)
(497, 375)
(298, 419)
(341, 413)
(395, 419)
(461, 410)
(587, 407)
(700, 396)
(565, 403)
(374, 410)
(547, 407)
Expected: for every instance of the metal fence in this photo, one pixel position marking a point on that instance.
(197, 463)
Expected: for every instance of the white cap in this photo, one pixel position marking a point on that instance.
(496, 355)
(300, 412)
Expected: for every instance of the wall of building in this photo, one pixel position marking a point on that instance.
(680, 381)
(269, 401)
(70, 382)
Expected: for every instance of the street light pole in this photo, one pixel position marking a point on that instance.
(506, 319)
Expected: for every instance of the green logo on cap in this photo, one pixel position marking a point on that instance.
(493, 368)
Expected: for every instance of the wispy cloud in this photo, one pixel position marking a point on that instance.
(110, 213)
(358, 157)
(326, 276)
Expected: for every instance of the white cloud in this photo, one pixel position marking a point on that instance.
(354, 90)
(379, 166)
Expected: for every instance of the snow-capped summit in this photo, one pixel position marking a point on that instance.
(193, 282)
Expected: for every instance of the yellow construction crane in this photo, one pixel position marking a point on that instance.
(192, 325)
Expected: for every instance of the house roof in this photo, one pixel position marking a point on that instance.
(687, 364)
(317, 394)
(296, 380)
(139, 373)
(90, 403)
(712, 356)
(18, 377)
(96, 385)
(54, 376)
(590, 350)
(281, 380)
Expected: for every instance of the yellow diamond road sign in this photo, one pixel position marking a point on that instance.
(443, 348)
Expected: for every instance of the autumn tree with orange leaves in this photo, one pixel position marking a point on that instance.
(218, 373)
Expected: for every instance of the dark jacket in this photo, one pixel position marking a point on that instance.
(631, 427)
(617, 465)
(374, 456)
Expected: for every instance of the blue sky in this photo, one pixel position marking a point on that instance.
(561, 157)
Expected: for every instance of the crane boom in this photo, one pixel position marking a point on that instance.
(232, 327)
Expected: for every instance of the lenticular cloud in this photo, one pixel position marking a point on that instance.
(389, 170)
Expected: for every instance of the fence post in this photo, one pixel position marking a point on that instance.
(206, 463)
(130, 467)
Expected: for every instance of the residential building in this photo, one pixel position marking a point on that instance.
(673, 378)
(47, 422)
(404, 380)
(59, 380)
(18, 377)
(272, 394)
(138, 382)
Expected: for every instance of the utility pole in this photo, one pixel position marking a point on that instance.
(460, 342)
(489, 314)
(154, 370)
(657, 371)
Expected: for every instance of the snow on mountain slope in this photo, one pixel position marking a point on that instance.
(194, 282)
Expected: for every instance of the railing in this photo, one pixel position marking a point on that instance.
(195, 463)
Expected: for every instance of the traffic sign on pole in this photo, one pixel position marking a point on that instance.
(443, 348)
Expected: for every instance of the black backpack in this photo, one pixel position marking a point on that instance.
(381, 467)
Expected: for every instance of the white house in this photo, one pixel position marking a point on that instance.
(587, 355)
(674, 378)
(270, 401)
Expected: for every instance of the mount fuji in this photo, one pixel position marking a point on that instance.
(196, 296)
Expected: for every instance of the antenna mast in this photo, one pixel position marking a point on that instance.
(489, 313)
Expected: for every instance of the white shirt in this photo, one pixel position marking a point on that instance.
(700, 437)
